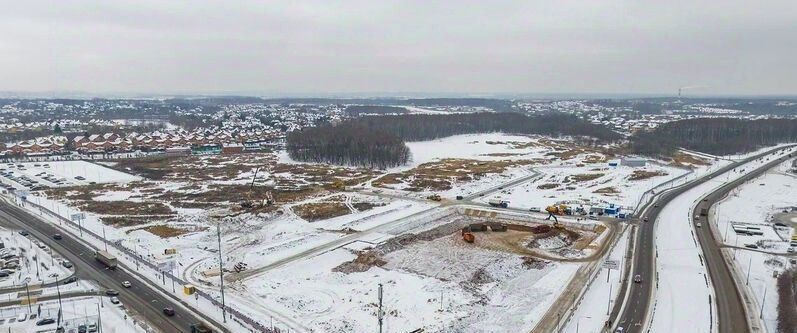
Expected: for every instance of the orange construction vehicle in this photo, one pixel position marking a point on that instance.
(468, 237)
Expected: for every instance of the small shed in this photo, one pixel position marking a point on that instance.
(634, 162)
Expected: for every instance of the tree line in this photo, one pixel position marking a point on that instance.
(720, 136)
(348, 144)
(418, 127)
(378, 141)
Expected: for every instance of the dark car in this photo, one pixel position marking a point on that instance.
(70, 279)
(459, 197)
(45, 321)
(168, 312)
(111, 292)
(58, 237)
(82, 329)
(23, 232)
(66, 264)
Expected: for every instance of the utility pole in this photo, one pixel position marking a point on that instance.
(104, 240)
(221, 273)
(60, 307)
(763, 300)
(99, 319)
(27, 290)
(609, 301)
(379, 314)
(749, 264)
(36, 259)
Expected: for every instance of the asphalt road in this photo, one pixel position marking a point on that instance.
(635, 311)
(730, 309)
(141, 300)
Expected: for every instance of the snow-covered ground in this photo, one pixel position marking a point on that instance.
(593, 309)
(489, 147)
(755, 204)
(304, 293)
(432, 273)
(30, 254)
(557, 184)
(76, 312)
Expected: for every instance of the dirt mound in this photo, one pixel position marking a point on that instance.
(363, 262)
(480, 276)
(553, 240)
(533, 263)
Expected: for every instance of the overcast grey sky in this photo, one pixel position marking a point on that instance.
(327, 47)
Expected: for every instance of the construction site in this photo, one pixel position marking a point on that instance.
(459, 259)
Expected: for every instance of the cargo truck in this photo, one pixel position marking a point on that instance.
(106, 258)
(496, 202)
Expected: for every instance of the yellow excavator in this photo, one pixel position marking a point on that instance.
(554, 210)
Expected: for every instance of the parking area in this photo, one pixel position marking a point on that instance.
(42, 175)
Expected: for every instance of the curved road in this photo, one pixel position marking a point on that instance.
(729, 300)
(635, 308)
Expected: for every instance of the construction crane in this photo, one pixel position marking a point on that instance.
(247, 202)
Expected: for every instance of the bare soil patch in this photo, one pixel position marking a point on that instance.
(586, 177)
(687, 160)
(642, 174)
(607, 190)
(438, 175)
(547, 186)
(125, 208)
(321, 210)
(165, 231)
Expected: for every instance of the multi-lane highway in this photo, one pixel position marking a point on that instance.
(141, 300)
(635, 308)
(729, 300)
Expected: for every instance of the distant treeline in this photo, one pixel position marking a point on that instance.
(356, 110)
(378, 141)
(348, 144)
(720, 136)
(418, 127)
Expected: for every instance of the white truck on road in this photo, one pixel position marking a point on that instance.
(498, 202)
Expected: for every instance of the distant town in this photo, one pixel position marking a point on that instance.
(59, 127)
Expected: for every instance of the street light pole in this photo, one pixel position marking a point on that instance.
(763, 300)
(27, 291)
(104, 240)
(221, 273)
(60, 307)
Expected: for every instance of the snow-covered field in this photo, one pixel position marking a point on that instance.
(756, 204)
(490, 147)
(511, 297)
(288, 257)
(611, 185)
